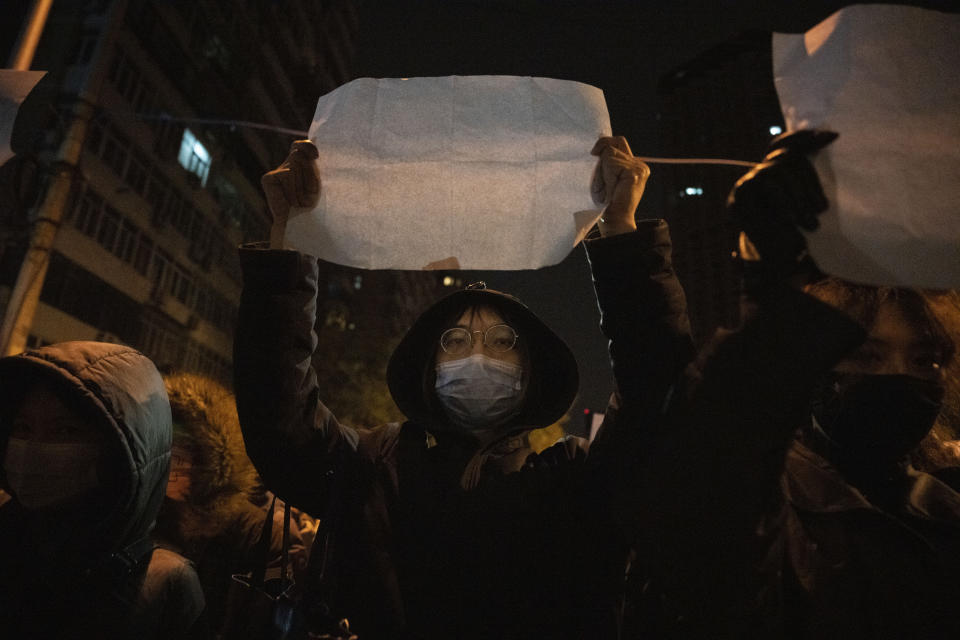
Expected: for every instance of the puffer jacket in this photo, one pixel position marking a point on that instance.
(71, 576)
(525, 553)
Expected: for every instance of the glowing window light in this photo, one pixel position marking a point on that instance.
(194, 157)
(776, 130)
(692, 191)
(447, 281)
(201, 152)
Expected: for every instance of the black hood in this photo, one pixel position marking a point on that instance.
(553, 376)
(122, 389)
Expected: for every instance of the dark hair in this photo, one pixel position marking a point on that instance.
(17, 392)
(863, 303)
(429, 373)
(936, 315)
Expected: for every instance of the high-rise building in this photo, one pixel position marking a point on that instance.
(721, 104)
(163, 99)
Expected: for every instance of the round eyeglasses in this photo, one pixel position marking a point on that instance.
(499, 338)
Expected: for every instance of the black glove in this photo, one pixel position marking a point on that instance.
(779, 195)
(560, 454)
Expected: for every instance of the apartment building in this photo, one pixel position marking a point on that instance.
(174, 101)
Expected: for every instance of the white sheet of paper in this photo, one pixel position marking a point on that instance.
(887, 79)
(470, 172)
(14, 88)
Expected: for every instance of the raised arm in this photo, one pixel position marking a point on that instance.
(642, 305)
(291, 437)
(711, 483)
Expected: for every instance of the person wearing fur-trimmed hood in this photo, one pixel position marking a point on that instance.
(208, 514)
(450, 524)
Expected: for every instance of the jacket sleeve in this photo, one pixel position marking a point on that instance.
(184, 614)
(294, 441)
(643, 313)
(754, 392)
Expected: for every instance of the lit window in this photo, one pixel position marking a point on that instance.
(194, 157)
(692, 191)
(447, 281)
(776, 130)
(357, 282)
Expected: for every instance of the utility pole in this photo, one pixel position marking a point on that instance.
(26, 291)
(22, 56)
(33, 271)
(25, 296)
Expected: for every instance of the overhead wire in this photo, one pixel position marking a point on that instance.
(303, 134)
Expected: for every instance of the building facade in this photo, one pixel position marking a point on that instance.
(160, 96)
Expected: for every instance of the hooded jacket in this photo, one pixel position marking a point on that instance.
(217, 526)
(71, 574)
(415, 554)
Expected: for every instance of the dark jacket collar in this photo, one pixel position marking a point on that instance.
(813, 484)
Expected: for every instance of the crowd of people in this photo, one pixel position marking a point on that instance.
(794, 478)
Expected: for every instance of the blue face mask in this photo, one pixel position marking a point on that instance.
(478, 392)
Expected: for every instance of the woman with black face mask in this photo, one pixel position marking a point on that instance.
(780, 501)
(451, 525)
(882, 399)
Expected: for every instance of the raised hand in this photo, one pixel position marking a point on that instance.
(618, 182)
(778, 197)
(295, 183)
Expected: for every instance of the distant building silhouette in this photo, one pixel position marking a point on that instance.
(721, 104)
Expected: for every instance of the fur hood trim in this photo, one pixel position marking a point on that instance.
(223, 478)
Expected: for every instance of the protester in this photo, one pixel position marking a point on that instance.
(757, 530)
(446, 525)
(208, 515)
(85, 432)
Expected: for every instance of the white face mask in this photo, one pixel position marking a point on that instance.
(44, 474)
(478, 391)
